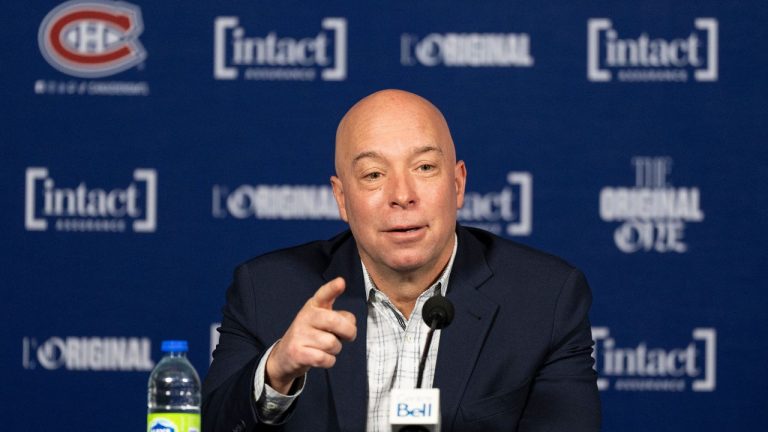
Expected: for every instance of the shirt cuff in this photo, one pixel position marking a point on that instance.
(271, 405)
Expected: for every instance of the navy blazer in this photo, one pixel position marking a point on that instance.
(517, 356)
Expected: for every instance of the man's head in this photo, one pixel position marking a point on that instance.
(397, 182)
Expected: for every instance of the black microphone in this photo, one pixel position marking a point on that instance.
(437, 313)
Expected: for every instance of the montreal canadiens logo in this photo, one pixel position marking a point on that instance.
(92, 39)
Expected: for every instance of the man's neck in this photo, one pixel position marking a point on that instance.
(404, 288)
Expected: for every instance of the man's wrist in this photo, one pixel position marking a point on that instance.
(272, 406)
(273, 378)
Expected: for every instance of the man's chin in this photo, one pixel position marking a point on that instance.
(406, 264)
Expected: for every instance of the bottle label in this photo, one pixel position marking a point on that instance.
(173, 422)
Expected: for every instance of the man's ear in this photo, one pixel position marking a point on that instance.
(338, 193)
(461, 182)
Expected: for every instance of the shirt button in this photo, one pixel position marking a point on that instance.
(271, 406)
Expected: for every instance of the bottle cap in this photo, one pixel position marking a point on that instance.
(174, 346)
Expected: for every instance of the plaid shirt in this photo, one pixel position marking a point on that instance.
(394, 346)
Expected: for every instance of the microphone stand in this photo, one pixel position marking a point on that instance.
(423, 360)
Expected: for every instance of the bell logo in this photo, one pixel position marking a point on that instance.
(420, 410)
(92, 39)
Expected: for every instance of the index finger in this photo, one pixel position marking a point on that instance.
(327, 294)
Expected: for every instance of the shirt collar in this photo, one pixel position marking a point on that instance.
(442, 280)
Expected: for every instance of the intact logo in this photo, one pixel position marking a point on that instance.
(642, 58)
(92, 39)
(508, 211)
(273, 57)
(466, 50)
(88, 353)
(653, 213)
(642, 367)
(85, 208)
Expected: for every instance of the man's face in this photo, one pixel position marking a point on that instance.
(399, 186)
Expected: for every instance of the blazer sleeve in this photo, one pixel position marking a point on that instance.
(564, 395)
(228, 401)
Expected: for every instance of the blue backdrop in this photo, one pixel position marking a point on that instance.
(149, 147)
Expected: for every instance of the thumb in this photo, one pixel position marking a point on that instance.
(327, 294)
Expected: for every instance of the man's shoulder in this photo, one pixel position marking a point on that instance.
(505, 255)
(521, 274)
(313, 256)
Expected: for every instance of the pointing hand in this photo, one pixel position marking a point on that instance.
(313, 338)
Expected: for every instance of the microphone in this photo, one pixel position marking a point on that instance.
(437, 310)
(418, 410)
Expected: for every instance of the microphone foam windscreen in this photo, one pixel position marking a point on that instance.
(438, 308)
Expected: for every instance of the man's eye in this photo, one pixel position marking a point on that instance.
(372, 175)
(426, 167)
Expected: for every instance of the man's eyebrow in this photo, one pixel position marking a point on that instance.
(367, 154)
(375, 155)
(427, 149)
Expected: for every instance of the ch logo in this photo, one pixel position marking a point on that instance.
(92, 39)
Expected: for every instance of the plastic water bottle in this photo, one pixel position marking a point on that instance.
(173, 393)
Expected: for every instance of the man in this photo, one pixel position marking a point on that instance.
(314, 337)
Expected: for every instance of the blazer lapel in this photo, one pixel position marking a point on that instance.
(348, 378)
(461, 342)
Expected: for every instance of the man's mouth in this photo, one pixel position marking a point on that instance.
(404, 229)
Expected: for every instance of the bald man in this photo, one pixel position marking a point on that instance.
(315, 337)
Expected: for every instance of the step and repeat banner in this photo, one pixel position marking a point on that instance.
(149, 147)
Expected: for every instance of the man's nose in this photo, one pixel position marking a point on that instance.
(402, 192)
